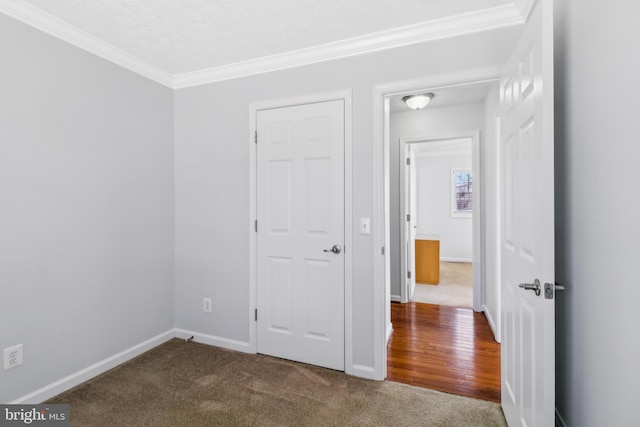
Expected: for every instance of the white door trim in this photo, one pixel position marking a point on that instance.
(478, 212)
(381, 291)
(254, 107)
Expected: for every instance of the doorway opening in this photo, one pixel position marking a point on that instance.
(440, 215)
(445, 345)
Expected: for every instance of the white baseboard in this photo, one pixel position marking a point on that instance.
(214, 340)
(111, 362)
(389, 331)
(396, 298)
(492, 323)
(89, 372)
(449, 259)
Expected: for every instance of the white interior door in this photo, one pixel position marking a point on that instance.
(408, 183)
(527, 246)
(300, 210)
(413, 216)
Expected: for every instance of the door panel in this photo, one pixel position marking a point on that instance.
(527, 249)
(280, 280)
(318, 196)
(318, 275)
(300, 208)
(280, 186)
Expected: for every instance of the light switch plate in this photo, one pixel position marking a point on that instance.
(365, 226)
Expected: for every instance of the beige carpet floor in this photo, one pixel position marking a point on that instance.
(455, 287)
(189, 384)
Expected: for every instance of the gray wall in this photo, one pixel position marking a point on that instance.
(433, 204)
(491, 206)
(597, 206)
(212, 175)
(427, 122)
(86, 208)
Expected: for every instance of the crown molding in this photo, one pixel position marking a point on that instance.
(60, 29)
(468, 23)
(499, 17)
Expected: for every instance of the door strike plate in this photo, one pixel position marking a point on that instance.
(548, 290)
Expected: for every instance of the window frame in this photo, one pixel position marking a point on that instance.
(455, 212)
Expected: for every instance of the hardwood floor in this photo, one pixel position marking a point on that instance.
(444, 348)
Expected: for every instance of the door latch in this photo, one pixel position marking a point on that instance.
(535, 286)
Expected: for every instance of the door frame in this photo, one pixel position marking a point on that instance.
(380, 222)
(477, 215)
(254, 107)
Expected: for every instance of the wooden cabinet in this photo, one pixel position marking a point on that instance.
(427, 261)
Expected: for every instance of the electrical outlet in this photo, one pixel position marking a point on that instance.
(13, 357)
(207, 305)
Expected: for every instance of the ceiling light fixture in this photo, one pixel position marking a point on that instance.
(417, 102)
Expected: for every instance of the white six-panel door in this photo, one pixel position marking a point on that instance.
(527, 222)
(300, 211)
(411, 202)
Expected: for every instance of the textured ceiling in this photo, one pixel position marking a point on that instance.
(180, 36)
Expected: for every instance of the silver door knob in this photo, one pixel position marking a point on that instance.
(535, 286)
(336, 249)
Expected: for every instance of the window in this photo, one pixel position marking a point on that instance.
(461, 193)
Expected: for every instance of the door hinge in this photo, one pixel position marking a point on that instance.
(408, 275)
(408, 218)
(255, 225)
(255, 137)
(382, 250)
(408, 161)
(255, 313)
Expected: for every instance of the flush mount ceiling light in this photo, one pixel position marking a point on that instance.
(417, 102)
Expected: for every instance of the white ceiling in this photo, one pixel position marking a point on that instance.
(468, 94)
(165, 39)
(180, 36)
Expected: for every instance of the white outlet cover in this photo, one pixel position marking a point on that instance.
(13, 357)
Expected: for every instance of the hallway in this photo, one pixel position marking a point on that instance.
(444, 348)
